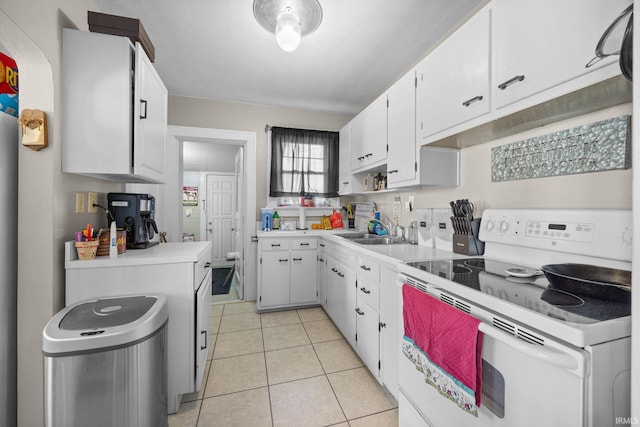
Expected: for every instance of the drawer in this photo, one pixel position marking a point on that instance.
(369, 292)
(304, 243)
(274, 244)
(201, 268)
(368, 268)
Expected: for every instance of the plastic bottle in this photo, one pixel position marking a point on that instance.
(113, 241)
(275, 220)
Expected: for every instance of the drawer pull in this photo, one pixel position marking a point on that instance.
(283, 259)
(334, 270)
(205, 340)
(322, 245)
(468, 102)
(340, 274)
(297, 259)
(275, 245)
(361, 313)
(304, 244)
(511, 81)
(361, 158)
(365, 290)
(321, 259)
(365, 268)
(393, 171)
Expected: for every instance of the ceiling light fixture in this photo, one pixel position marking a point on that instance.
(289, 20)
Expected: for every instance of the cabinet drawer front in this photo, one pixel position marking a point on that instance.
(274, 244)
(368, 268)
(369, 292)
(304, 243)
(201, 268)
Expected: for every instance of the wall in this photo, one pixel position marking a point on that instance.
(31, 32)
(609, 189)
(249, 117)
(191, 223)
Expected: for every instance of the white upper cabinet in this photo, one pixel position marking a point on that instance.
(344, 167)
(453, 81)
(114, 109)
(401, 136)
(538, 45)
(369, 136)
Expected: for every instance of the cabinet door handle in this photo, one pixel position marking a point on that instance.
(345, 183)
(275, 245)
(361, 313)
(365, 290)
(297, 259)
(334, 270)
(474, 99)
(361, 158)
(143, 102)
(321, 259)
(205, 340)
(381, 325)
(340, 274)
(511, 81)
(322, 245)
(368, 155)
(207, 265)
(365, 268)
(284, 260)
(393, 171)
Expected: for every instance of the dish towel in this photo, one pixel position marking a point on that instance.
(445, 345)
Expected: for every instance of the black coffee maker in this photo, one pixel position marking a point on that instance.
(135, 214)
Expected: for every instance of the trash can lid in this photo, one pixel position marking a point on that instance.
(105, 323)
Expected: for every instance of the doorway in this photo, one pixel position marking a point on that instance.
(169, 203)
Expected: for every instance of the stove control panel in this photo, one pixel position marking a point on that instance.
(593, 232)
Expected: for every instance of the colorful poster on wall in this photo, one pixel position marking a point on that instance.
(8, 85)
(189, 196)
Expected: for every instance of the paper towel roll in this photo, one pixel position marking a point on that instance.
(302, 221)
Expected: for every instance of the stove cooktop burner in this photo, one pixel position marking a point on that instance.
(534, 293)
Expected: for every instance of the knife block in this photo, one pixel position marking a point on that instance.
(469, 244)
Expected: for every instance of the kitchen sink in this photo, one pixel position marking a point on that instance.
(359, 236)
(377, 240)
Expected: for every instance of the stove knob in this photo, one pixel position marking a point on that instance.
(504, 226)
(489, 225)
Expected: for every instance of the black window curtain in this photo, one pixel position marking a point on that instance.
(303, 162)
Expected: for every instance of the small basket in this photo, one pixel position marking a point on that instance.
(87, 250)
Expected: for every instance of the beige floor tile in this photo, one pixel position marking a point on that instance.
(235, 374)
(291, 364)
(383, 419)
(215, 324)
(279, 318)
(337, 356)
(216, 309)
(243, 409)
(198, 395)
(212, 345)
(187, 416)
(322, 330)
(284, 337)
(311, 314)
(239, 322)
(308, 402)
(238, 343)
(359, 393)
(239, 307)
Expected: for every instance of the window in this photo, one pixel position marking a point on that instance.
(303, 162)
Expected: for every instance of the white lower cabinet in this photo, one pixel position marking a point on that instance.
(341, 296)
(322, 274)
(284, 279)
(368, 336)
(390, 328)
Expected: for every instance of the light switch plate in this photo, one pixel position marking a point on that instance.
(80, 202)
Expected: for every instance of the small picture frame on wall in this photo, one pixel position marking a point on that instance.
(189, 196)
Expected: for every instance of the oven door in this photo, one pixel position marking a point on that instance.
(523, 384)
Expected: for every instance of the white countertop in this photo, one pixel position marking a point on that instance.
(390, 254)
(163, 253)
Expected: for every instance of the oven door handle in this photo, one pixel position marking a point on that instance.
(540, 352)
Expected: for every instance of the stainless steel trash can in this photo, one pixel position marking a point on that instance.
(105, 363)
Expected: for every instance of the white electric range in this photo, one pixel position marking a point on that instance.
(549, 357)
